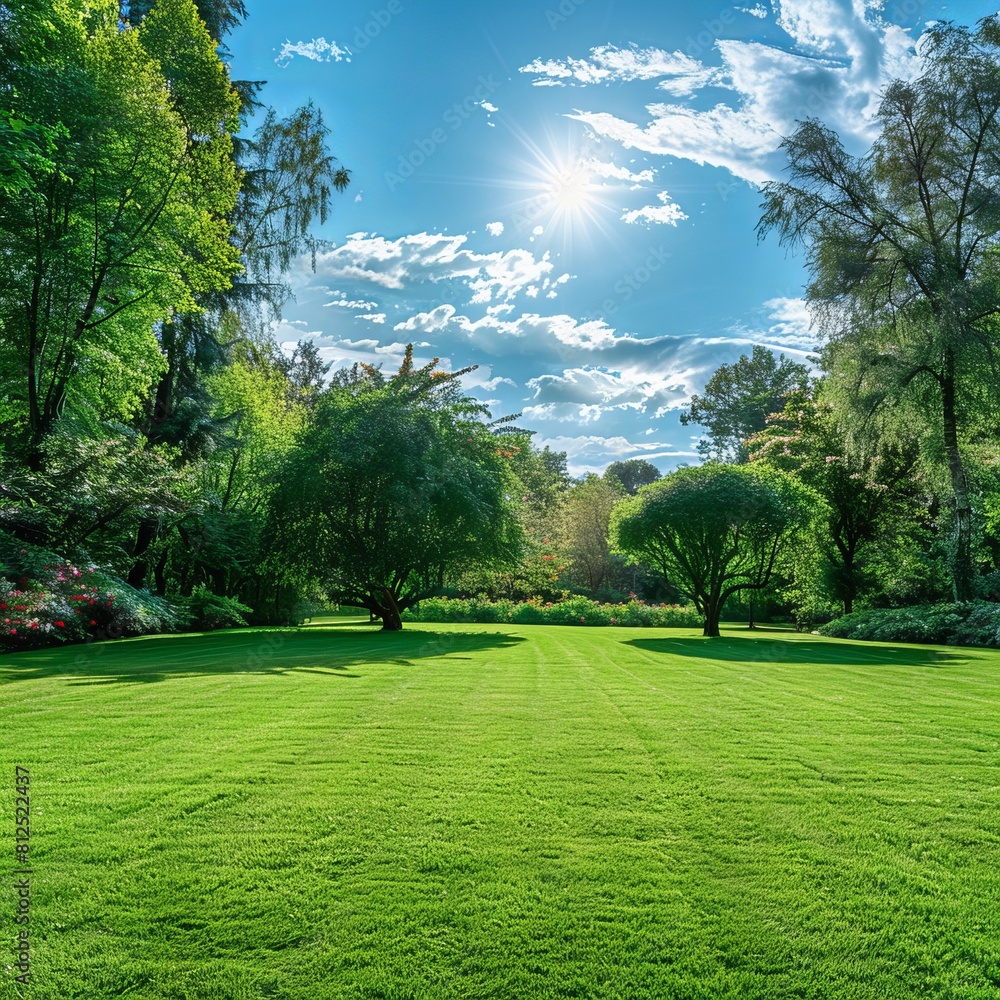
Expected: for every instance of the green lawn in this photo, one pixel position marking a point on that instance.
(508, 812)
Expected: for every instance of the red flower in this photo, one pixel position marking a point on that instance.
(61, 624)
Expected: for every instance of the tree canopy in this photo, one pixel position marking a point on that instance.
(397, 481)
(902, 241)
(715, 530)
(738, 398)
(632, 474)
(122, 216)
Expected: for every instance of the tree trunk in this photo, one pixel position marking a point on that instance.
(160, 574)
(752, 623)
(962, 571)
(143, 539)
(391, 621)
(712, 614)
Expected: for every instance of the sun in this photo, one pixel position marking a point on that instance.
(571, 187)
(561, 192)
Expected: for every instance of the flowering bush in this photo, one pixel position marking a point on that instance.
(580, 611)
(46, 600)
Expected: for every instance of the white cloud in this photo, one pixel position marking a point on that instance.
(720, 138)
(491, 384)
(788, 328)
(318, 49)
(554, 339)
(759, 11)
(614, 172)
(610, 64)
(792, 322)
(834, 60)
(593, 453)
(494, 228)
(435, 257)
(357, 345)
(587, 394)
(668, 212)
(486, 106)
(351, 304)
(373, 317)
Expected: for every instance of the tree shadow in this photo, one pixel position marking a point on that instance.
(333, 651)
(751, 649)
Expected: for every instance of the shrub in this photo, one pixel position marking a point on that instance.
(205, 611)
(572, 611)
(976, 623)
(56, 601)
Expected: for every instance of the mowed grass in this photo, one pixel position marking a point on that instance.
(506, 812)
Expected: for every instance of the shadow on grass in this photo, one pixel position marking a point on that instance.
(332, 651)
(760, 650)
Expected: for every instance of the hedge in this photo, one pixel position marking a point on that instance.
(572, 611)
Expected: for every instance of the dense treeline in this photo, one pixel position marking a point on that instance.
(150, 207)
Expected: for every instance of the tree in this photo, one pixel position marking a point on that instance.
(715, 530)
(122, 221)
(738, 398)
(585, 519)
(632, 474)
(540, 482)
(396, 482)
(902, 242)
(869, 493)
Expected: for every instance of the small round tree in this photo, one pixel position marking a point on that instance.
(715, 530)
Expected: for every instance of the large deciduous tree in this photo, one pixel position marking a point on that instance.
(396, 482)
(903, 241)
(122, 215)
(715, 530)
(633, 474)
(869, 492)
(585, 518)
(738, 398)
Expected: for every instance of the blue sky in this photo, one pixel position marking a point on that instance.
(564, 192)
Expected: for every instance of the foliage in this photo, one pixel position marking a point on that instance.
(98, 480)
(869, 491)
(571, 611)
(130, 223)
(46, 600)
(632, 474)
(902, 242)
(289, 176)
(205, 611)
(738, 398)
(584, 522)
(715, 530)
(396, 482)
(975, 623)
